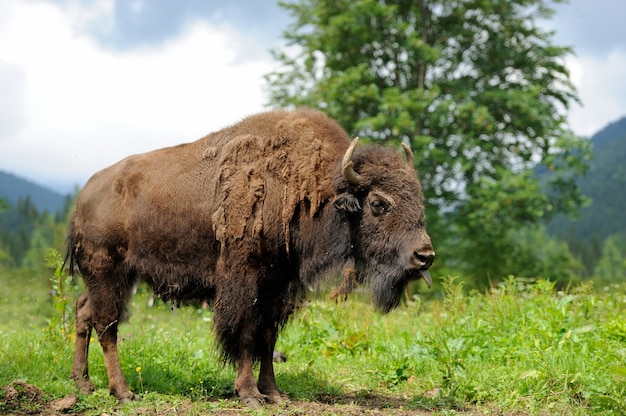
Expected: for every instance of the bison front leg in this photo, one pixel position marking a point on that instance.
(245, 384)
(267, 380)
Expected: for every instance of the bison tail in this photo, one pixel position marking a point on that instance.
(70, 254)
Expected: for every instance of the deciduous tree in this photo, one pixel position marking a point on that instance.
(476, 87)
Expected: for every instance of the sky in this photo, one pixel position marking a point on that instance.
(85, 83)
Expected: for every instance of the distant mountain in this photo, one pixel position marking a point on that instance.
(614, 131)
(13, 188)
(605, 184)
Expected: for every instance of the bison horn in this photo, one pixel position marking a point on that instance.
(346, 165)
(410, 160)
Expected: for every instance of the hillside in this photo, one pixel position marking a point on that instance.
(604, 183)
(13, 188)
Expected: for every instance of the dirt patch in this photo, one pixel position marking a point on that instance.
(344, 407)
(20, 398)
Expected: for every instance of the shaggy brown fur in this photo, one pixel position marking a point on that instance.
(245, 218)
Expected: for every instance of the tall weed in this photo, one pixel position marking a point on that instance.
(63, 294)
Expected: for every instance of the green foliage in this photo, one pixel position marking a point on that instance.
(612, 265)
(525, 347)
(63, 294)
(528, 252)
(536, 254)
(5, 258)
(26, 234)
(476, 87)
(16, 227)
(527, 340)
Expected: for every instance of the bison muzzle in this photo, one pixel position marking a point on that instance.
(246, 218)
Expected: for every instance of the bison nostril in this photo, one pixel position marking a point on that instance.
(426, 258)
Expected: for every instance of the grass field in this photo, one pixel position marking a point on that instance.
(523, 348)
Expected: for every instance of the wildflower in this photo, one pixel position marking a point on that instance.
(138, 369)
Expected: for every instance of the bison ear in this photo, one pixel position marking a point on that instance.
(347, 202)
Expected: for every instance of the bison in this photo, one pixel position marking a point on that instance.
(245, 218)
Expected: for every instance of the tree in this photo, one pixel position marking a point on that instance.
(536, 254)
(474, 86)
(16, 228)
(612, 265)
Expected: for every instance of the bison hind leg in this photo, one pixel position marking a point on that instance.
(80, 368)
(102, 307)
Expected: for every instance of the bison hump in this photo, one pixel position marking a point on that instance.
(297, 156)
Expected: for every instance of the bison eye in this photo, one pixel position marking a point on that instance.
(378, 206)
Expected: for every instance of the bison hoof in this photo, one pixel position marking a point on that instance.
(277, 398)
(125, 397)
(85, 386)
(252, 402)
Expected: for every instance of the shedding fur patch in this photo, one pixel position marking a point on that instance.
(298, 153)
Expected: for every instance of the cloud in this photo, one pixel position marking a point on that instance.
(594, 27)
(11, 103)
(86, 106)
(136, 23)
(602, 89)
(597, 34)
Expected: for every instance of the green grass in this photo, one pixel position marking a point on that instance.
(524, 348)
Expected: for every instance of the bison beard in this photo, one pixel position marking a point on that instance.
(246, 219)
(387, 285)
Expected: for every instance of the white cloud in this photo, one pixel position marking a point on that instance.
(11, 103)
(595, 31)
(85, 107)
(602, 89)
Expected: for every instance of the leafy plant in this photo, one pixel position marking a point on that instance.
(61, 322)
(400, 372)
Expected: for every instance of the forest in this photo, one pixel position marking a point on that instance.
(26, 233)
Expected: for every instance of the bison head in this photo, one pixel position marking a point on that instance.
(382, 198)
